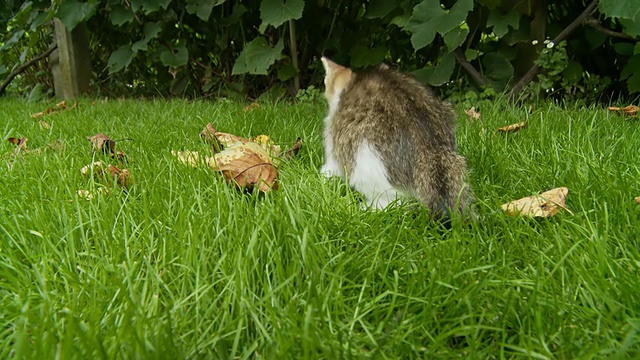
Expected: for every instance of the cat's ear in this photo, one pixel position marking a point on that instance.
(330, 67)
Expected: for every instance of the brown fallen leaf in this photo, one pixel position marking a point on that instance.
(253, 105)
(99, 170)
(101, 142)
(59, 107)
(19, 142)
(472, 114)
(638, 200)
(267, 144)
(514, 127)
(545, 204)
(44, 125)
(227, 139)
(246, 165)
(209, 135)
(630, 110)
(249, 166)
(89, 195)
(294, 150)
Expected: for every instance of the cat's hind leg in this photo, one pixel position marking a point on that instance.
(369, 177)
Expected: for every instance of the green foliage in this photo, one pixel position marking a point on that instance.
(139, 46)
(257, 56)
(428, 19)
(73, 12)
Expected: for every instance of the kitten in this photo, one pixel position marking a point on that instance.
(390, 136)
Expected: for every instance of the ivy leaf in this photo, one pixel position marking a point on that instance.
(362, 56)
(151, 31)
(276, 12)
(149, 6)
(379, 8)
(202, 8)
(236, 14)
(501, 22)
(12, 40)
(497, 69)
(120, 58)
(455, 37)
(257, 56)
(175, 57)
(631, 27)
(437, 75)
(625, 9)
(429, 18)
(73, 12)
(120, 15)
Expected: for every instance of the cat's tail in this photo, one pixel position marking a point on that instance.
(441, 185)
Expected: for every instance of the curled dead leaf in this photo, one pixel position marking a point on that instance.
(253, 105)
(209, 135)
(249, 166)
(514, 127)
(103, 143)
(89, 195)
(227, 139)
(630, 110)
(59, 107)
(19, 142)
(472, 114)
(294, 150)
(123, 177)
(545, 204)
(44, 125)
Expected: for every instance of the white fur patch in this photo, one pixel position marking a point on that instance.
(331, 166)
(370, 178)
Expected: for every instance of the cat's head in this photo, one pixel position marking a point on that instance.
(336, 78)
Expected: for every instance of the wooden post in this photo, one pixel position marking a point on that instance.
(70, 62)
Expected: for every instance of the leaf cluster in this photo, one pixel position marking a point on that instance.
(270, 47)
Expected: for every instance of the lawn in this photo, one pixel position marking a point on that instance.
(185, 266)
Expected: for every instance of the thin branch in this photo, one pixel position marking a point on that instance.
(294, 54)
(475, 75)
(535, 69)
(595, 23)
(24, 67)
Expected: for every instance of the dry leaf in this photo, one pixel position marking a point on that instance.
(630, 110)
(101, 142)
(59, 107)
(248, 165)
(267, 144)
(191, 158)
(294, 150)
(514, 127)
(245, 165)
(19, 142)
(44, 124)
(472, 114)
(253, 105)
(99, 169)
(209, 134)
(545, 204)
(120, 156)
(88, 195)
(227, 139)
(638, 200)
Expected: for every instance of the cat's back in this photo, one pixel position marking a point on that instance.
(388, 99)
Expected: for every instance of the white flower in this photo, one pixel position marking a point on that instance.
(550, 45)
(534, 42)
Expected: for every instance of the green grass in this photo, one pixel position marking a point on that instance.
(184, 266)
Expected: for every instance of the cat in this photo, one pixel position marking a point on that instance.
(390, 137)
